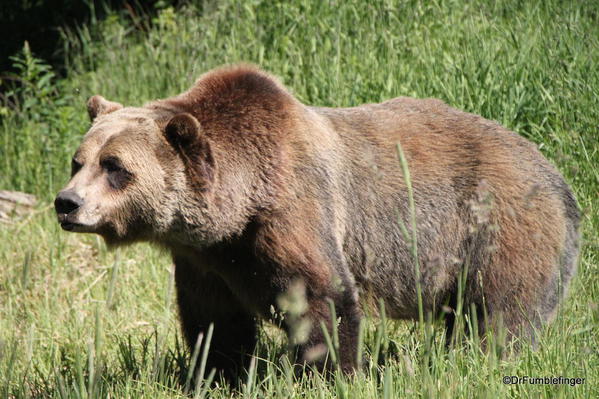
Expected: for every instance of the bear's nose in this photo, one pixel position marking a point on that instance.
(67, 201)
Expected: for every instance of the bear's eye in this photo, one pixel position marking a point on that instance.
(75, 166)
(118, 176)
(111, 164)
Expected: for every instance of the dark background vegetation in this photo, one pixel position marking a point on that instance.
(39, 22)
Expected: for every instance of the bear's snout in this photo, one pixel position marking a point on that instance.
(66, 203)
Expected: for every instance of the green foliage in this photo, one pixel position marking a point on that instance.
(78, 322)
(38, 115)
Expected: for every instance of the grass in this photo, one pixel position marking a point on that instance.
(77, 321)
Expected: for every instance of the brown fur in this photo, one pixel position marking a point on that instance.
(252, 190)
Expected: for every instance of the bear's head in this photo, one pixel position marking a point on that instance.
(133, 170)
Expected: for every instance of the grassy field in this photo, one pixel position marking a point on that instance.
(78, 321)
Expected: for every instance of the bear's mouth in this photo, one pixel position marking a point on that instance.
(69, 226)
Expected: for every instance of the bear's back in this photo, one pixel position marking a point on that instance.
(455, 159)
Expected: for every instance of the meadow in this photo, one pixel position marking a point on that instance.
(78, 321)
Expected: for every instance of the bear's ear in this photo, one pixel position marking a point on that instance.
(98, 105)
(183, 132)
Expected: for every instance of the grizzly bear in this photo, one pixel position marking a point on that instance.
(252, 191)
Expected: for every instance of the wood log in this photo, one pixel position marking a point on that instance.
(15, 204)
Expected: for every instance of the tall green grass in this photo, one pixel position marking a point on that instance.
(76, 321)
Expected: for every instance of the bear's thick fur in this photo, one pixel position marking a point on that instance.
(251, 191)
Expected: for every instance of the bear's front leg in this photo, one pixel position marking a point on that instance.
(203, 298)
(314, 350)
(318, 266)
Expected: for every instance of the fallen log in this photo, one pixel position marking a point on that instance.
(15, 204)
